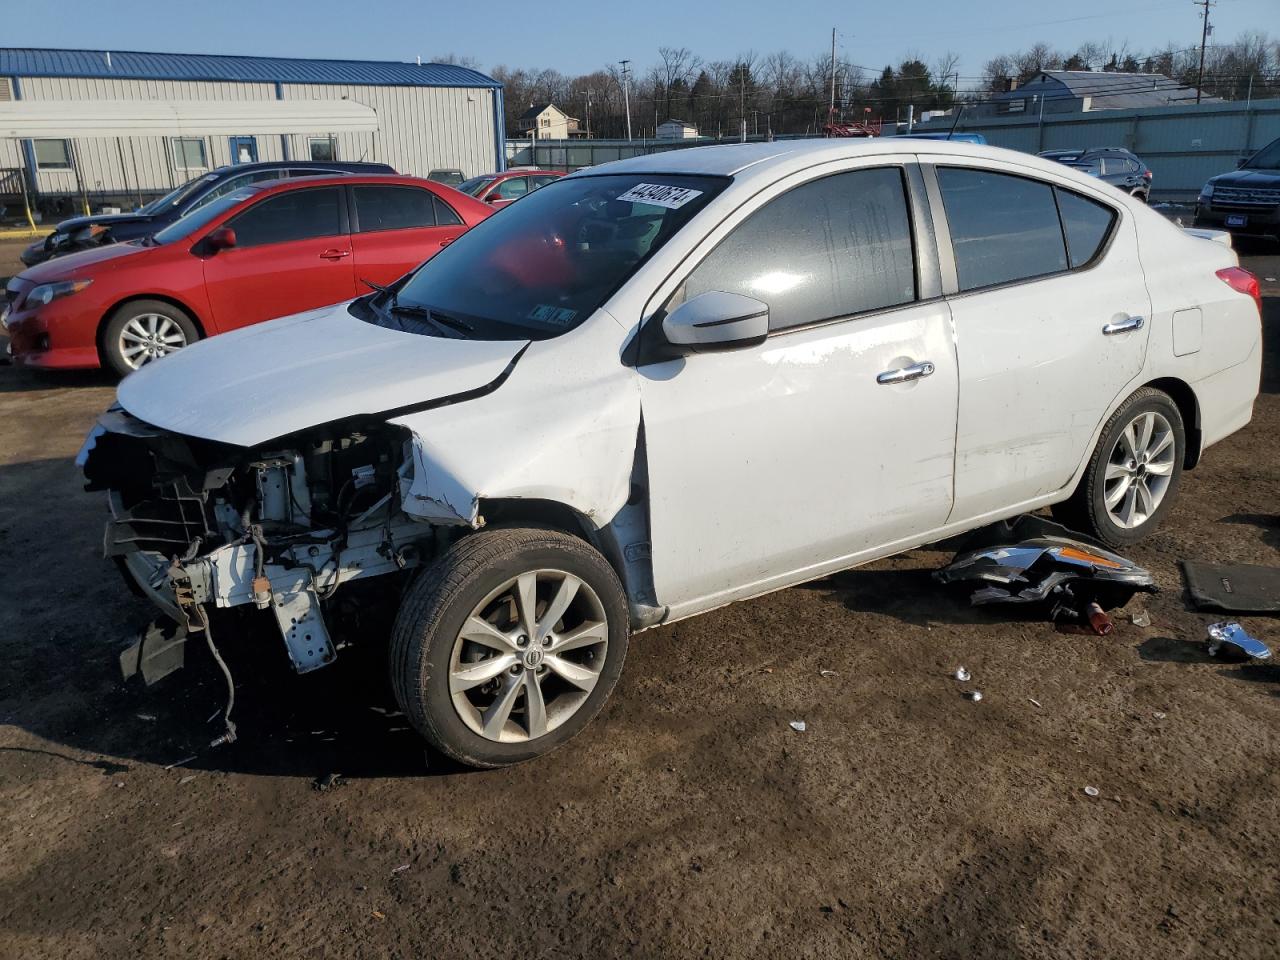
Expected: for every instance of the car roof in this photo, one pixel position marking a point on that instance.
(347, 179)
(301, 165)
(768, 161)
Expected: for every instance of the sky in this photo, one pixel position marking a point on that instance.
(574, 36)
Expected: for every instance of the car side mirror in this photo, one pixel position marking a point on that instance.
(1241, 162)
(224, 238)
(717, 320)
(492, 197)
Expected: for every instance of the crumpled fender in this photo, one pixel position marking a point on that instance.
(562, 427)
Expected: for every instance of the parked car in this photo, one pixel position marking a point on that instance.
(448, 176)
(953, 137)
(81, 233)
(1114, 165)
(1245, 201)
(500, 189)
(260, 251)
(666, 384)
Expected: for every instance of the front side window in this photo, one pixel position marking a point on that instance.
(296, 215)
(52, 154)
(323, 149)
(550, 261)
(189, 154)
(830, 248)
(394, 208)
(1003, 227)
(513, 188)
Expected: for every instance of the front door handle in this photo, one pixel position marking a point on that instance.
(1121, 326)
(334, 253)
(906, 374)
(446, 242)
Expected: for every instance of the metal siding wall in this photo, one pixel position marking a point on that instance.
(419, 128)
(99, 158)
(1183, 145)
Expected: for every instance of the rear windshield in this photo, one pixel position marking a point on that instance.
(542, 266)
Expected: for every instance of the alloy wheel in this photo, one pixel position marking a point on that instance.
(528, 656)
(149, 336)
(1139, 470)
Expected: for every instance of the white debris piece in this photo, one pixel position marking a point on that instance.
(798, 726)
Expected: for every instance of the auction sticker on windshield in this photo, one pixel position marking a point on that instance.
(660, 195)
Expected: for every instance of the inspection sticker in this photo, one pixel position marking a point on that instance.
(556, 316)
(660, 195)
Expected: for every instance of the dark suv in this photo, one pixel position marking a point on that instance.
(80, 233)
(1115, 165)
(1245, 201)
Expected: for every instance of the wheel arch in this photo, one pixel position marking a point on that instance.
(1184, 398)
(635, 574)
(134, 297)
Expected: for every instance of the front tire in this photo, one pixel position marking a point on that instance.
(145, 330)
(1134, 473)
(509, 644)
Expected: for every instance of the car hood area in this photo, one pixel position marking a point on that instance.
(1246, 177)
(103, 220)
(272, 379)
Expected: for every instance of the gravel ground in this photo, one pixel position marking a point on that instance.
(690, 819)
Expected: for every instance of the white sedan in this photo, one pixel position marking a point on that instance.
(665, 384)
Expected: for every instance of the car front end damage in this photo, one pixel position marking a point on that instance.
(197, 525)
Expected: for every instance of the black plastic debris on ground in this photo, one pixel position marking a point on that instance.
(1233, 587)
(1035, 563)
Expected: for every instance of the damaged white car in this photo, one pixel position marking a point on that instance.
(662, 385)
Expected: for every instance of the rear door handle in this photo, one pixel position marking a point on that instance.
(1121, 326)
(334, 254)
(906, 374)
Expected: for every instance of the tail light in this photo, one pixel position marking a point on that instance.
(1242, 281)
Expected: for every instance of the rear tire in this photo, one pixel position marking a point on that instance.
(1134, 473)
(145, 330)
(488, 660)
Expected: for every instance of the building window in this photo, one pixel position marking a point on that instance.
(188, 153)
(244, 150)
(53, 154)
(323, 149)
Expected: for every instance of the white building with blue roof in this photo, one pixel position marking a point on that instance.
(430, 116)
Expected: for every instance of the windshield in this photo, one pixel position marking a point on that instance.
(475, 185)
(175, 197)
(542, 266)
(1268, 158)
(198, 219)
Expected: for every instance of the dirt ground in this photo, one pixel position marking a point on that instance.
(690, 820)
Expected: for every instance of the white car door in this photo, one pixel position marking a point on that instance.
(776, 462)
(1050, 314)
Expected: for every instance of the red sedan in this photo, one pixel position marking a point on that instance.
(263, 251)
(500, 189)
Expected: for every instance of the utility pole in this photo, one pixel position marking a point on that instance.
(626, 92)
(742, 98)
(1204, 40)
(588, 113)
(831, 109)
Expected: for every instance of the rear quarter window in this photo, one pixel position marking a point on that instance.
(1087, 225)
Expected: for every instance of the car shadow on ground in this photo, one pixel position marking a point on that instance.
(1268, 524)
(15, 379)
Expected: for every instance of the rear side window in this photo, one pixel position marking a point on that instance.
(1003, 228)
(1086, 224)
(394, 208)
(831, 248)
(296, 215)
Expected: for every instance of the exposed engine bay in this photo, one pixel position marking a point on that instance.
(195, 522)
